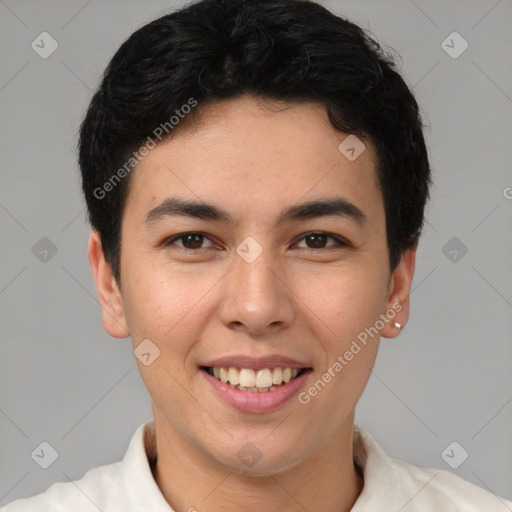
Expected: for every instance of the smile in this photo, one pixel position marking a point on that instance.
(258, 389)
(254, 380)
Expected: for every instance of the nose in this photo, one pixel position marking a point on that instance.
(256, 297)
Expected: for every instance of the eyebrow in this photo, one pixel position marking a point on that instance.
(339, 207)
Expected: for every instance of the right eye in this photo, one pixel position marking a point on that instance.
(191, 241)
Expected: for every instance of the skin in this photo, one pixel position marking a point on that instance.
(253, 158)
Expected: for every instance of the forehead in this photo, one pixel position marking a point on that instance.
(251, 156)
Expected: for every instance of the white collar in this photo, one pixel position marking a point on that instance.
(390, 484)
(145, 494)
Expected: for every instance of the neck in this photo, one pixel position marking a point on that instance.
(189, 479)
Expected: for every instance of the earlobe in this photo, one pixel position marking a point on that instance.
(397, 305)
(114, 321)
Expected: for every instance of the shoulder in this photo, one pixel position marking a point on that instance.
(441, 490)
(392, 484)
(125, 485)
(92, 492)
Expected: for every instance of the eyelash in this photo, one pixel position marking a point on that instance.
(339, 242)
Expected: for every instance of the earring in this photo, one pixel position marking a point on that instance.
(398, 325)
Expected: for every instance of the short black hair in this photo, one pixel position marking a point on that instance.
(291, 50)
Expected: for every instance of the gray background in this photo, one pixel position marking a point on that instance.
(446, 378)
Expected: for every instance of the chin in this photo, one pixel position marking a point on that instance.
(259, 458)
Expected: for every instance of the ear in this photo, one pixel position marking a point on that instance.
(399, 291)
(111, 301)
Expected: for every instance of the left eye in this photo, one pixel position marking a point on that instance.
(320, 238)
(193, 240)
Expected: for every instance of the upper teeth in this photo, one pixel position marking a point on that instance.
(249, 378)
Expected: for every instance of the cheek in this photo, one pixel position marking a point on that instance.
(346, 308)
(343, 309)
(345, 301)
(166, 306)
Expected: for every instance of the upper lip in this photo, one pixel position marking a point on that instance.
(270, 361)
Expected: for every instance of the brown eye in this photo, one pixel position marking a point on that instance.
(318, 241)
(191, 241)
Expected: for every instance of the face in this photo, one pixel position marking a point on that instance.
(259, 292)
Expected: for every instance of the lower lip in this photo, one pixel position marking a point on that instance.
(251, 401)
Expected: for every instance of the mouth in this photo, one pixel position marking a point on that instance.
(255, 384)
(255, 390)
(252, 380)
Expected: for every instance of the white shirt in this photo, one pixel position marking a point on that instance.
(390, 485)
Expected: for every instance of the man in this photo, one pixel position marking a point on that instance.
(256, 176)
